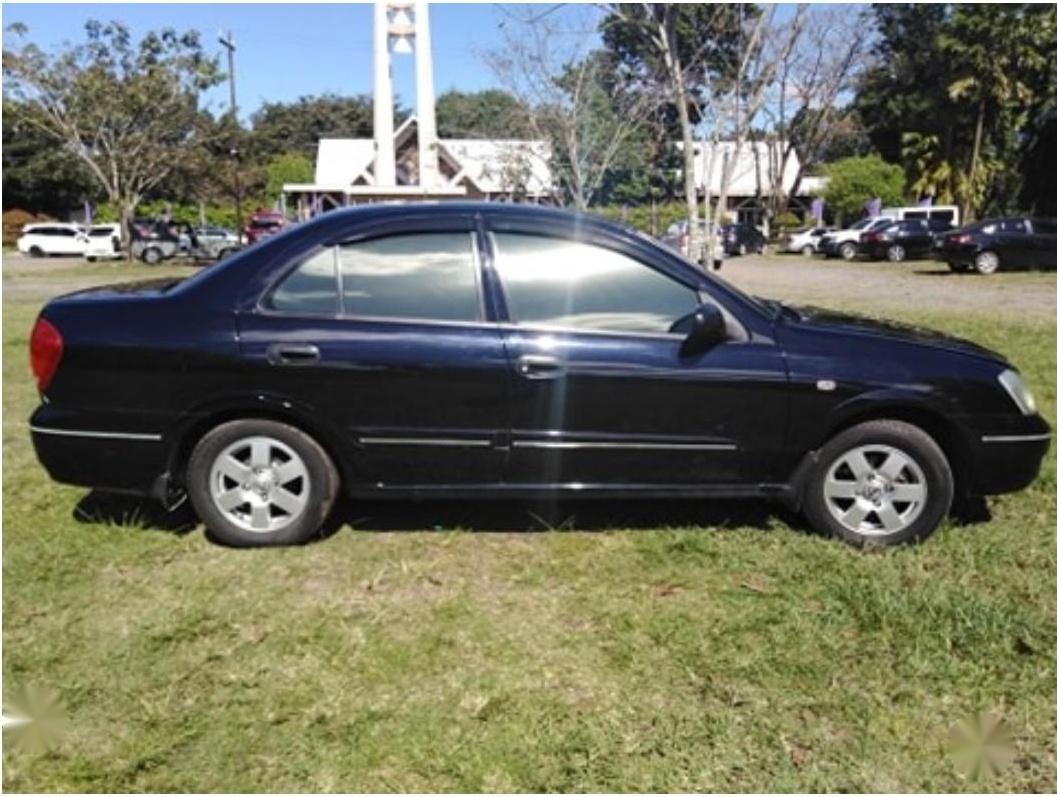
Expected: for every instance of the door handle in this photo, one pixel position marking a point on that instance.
(537, 366)
(292, 354)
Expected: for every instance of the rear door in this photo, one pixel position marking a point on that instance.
(601, 394)
(386, 339)
(1016, 244)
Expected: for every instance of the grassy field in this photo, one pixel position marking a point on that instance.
(584, 647)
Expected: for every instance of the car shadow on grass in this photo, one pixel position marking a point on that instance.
(497, 516)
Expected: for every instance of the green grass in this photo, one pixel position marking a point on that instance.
(666, 648)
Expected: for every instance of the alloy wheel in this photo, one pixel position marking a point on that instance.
(897, 253)
(875, 490)
(260, 484)
(987, 262)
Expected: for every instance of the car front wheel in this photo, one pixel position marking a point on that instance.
(986, 263)
(808, 251)
(151, 256)
(257, 482)
(848, 250)
(882, 482)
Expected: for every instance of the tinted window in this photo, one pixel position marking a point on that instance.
(944, 215)
(916, 214)
(1014, 225)
(564, 283)
(914, 225)
(311, 288)
(1044, 226)
(429, 275)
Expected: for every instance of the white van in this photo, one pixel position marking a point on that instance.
(52, 238)
(947, 213)
(104, 242)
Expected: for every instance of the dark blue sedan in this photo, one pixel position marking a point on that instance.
(481, 350)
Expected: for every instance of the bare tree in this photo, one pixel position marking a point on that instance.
(572, 101)
(810, 81)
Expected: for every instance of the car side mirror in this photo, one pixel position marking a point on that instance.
(708, 328)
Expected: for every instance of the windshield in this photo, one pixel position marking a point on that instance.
(860, 224)
(265, 223)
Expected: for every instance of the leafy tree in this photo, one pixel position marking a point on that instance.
(954, 90)
(491, 113)
(39, 175)
(280, 127)
(128, 112)
(290, 167)
(855, 181)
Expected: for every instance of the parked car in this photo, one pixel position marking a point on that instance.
(52, 238)
(740, 239)
(104, 242)
(845, 243)
(464, 350)
(806, 242)
(163, 240)
(948, 214)
(902, 239)
(262, 224)
(209, 243)
(994, 244)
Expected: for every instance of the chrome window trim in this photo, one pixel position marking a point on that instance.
(1014, 438)
(424, 441)
(97, 435)
(569, 444)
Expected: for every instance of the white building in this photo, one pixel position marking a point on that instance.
(505, 170)
(753, 176)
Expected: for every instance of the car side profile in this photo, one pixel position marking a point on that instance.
(1001, 244)
(52, 238)
(469, 350)
(845, 243)
(900, 240)
(805, 242)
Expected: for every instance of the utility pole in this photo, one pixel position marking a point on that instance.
(228, 42)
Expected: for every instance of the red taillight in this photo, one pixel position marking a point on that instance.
(45, 352)
(963, 238)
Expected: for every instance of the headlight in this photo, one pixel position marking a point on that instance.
(1018, 391)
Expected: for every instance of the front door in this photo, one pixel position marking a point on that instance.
(387, 340)
(602, 395)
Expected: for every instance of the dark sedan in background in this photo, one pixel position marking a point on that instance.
(993, 244)
(474, 350)
(904, 239)
(740, 239)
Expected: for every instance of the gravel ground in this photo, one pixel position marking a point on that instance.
(923, 283)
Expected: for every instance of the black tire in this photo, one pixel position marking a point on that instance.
(36, 251)
(896, 253)
(848, 250)
(322, 486)
(905, 438)
(152, 256)
(225, 253)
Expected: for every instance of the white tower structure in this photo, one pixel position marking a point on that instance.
(399, 27)
(384, 151)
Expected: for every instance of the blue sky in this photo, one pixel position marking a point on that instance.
(287, 50)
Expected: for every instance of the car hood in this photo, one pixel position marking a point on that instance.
(836, 321)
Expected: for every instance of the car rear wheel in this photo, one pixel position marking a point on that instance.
(848, 250)
(882, 482)
(986, 262)
(896, 253)
(257, 482)
(151, 256)
(36, 251)
(808, 251)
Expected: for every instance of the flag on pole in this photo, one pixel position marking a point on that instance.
(873, 207)
(926, 202)
(817, 205)
(87, 212)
